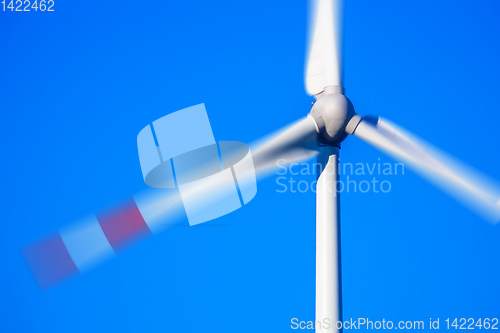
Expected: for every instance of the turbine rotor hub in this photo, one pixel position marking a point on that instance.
(332, 112)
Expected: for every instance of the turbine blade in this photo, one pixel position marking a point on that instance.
(80, 247)
(323, 66)
(293, 143)
(460, 181)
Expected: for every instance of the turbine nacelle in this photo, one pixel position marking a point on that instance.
(332, 112)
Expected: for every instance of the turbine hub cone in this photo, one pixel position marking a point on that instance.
(332, 112)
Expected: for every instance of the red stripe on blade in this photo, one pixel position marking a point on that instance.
(49, 261)
(123, 224)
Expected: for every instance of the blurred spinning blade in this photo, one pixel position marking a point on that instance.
(460, 181)
(323, 66)
(83, 245)
(293, 143)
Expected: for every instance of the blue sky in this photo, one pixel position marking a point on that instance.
(78, 84)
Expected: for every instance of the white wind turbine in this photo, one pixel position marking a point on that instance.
(330, 121)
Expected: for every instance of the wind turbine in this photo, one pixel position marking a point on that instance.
(330, 121)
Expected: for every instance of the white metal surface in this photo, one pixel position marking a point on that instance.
(460, 181)
(324, 60)
(328, 263)
(293, 143)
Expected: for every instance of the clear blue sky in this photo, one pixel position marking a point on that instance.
(78, 84)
